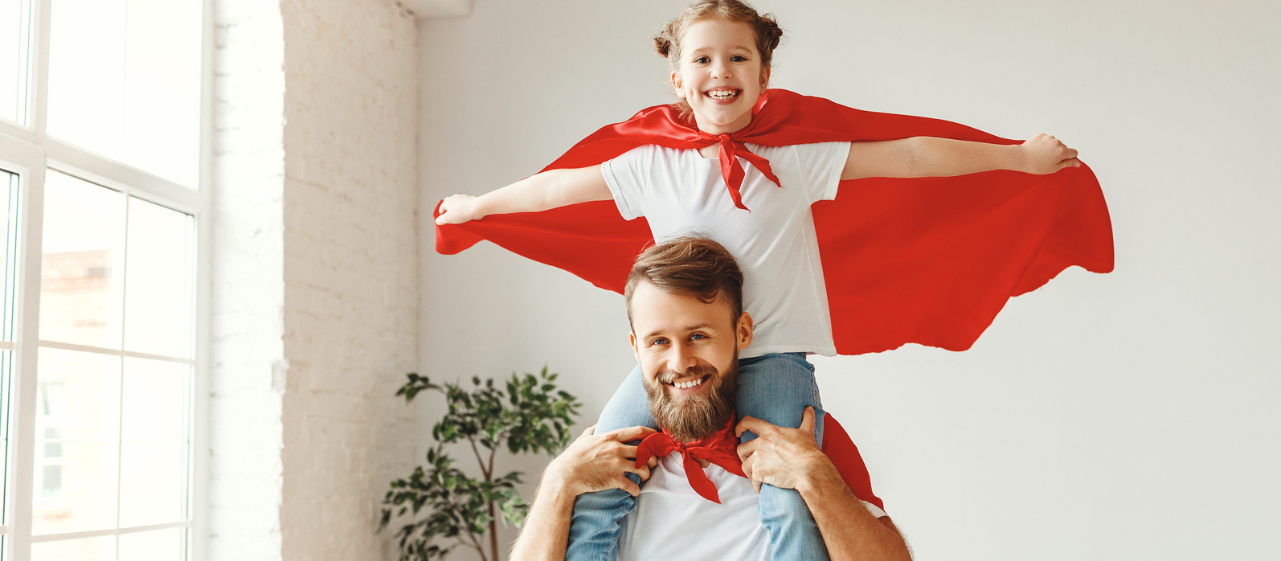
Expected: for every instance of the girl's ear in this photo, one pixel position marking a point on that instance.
(764, 77)
(676, 84)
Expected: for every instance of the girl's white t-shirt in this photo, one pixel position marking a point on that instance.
(680, 192)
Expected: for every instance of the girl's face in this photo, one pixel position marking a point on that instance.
(720, 74)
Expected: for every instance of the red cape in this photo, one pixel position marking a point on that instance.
(928, 261)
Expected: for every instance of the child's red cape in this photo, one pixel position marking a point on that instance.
(928, 261)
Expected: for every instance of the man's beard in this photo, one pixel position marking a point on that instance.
(693, 417)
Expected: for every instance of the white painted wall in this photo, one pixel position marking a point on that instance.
(1134, 415)
(315, 299)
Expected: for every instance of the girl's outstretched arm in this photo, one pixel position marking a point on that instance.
(550, 189)
(925, 156)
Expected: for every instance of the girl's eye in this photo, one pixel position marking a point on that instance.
(702, 60)
(739, 58)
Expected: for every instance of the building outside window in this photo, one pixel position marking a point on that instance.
(103, 201)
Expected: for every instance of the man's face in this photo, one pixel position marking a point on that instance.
(688, 351)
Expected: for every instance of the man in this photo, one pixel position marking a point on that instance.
(686, 336)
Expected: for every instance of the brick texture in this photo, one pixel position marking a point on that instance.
(315, 311)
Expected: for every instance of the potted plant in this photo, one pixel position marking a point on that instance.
(439, 502)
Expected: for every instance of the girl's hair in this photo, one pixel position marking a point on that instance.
(668, 41)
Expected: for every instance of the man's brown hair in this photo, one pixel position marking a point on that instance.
(689, 265)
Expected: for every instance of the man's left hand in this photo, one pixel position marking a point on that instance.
(782, 457)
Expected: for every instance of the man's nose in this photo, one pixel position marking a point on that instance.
(681, 359)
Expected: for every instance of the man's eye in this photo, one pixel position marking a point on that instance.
(659, 341)
(697, 336)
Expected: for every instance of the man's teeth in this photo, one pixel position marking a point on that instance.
(687, 385)
(722, 94)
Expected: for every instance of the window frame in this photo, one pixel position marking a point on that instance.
(29, 152)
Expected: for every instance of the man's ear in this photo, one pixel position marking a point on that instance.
(631, 336)
(743, 331)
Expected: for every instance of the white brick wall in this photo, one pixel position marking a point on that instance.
(315, 272)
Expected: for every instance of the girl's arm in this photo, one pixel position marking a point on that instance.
(925, 156)
(551, 189)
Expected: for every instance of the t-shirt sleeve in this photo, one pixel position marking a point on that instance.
(844, 455)
(822, 164)
(627, 181)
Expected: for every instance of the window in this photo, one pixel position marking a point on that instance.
(101, 208)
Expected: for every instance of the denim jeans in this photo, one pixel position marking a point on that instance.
(773, 387)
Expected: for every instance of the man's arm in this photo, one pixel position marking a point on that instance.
(790, 459)
(925, 156)
(592, 463)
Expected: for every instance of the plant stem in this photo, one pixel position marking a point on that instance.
(493, 531)
(476, 451)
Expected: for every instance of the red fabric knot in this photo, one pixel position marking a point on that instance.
(732, 171)
(721, 448)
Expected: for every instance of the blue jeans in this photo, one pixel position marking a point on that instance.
(773, 387)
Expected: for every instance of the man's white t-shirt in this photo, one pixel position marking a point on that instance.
(672, 522)
(680, 192)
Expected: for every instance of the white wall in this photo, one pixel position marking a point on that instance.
(315, 294)
(1122, 416)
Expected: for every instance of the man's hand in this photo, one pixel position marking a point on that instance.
(1043, 154)
(783, 457)
(598, 462)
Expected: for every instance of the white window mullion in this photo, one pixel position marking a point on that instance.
(29, 162)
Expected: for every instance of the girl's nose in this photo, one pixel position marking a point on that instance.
(720, 70)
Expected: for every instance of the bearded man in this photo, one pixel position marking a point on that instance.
(700, 498)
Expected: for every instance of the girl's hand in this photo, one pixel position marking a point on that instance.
(1043, 154)
(456, 209)
(598, 462)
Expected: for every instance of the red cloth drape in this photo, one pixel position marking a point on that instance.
(928, 261)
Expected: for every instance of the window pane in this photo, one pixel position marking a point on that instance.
(155, 452)
(6, 376)
(81, 292)
(102, 548)
(156, 398)
(124, 81)
(15, 41)
(160, 545)
(152, 483)
(161, 280)
(83, 495)
(77, 418)
(9, 253)
(77, 396)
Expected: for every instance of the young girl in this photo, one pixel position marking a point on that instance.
(683, 170)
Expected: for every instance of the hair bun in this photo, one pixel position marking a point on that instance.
(663, 45)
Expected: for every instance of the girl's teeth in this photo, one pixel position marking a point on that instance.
(721, 94)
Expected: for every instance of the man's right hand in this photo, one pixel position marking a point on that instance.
(598, 462)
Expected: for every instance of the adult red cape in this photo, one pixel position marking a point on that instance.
(928, 261)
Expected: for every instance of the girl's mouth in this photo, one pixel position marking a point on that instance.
(722, 95)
